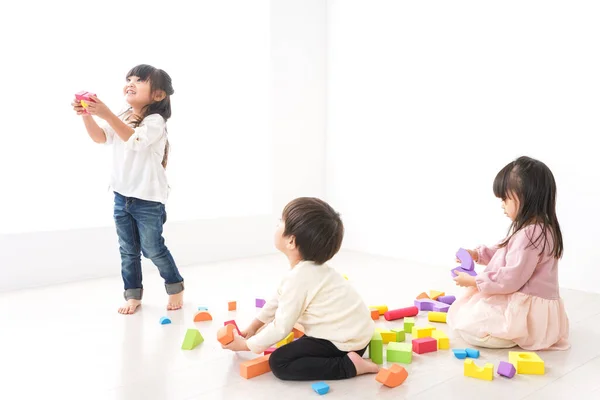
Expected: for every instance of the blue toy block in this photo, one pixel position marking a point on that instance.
(165, 320)
(459, 353)
(320, 387)
(472, 353)
(202, 308)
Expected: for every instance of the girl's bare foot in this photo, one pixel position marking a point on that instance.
(362, 365)
(175, 301)
(130, 306)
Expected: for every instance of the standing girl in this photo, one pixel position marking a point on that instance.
(139, 182)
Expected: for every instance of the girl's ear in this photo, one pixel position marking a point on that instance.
(291, 242)
(159, 95)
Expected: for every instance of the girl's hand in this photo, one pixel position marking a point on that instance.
(465, 280)
(78, 107)
(474, 255)
(98, 108)
(248, 332)
(238, 344)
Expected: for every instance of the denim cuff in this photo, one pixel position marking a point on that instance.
(174, 288)
(135, 294)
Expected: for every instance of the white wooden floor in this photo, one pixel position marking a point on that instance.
(69, 342)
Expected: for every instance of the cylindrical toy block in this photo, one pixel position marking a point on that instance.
(401, 313)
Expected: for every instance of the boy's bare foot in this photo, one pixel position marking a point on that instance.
(130, 306)
(175, 301)
(362, 365)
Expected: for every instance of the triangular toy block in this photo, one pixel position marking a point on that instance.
(225, 334)
(376, 348)
(423, 296)
(202, 316)
(386, 336)
(392, 377)
(434, 294)
(192, 339)
(253, 368)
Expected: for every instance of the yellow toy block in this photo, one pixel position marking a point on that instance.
(526, 363)
(419, 332)
(345, 277)
(288, 339)
(84, 104)
(387, 336)
(442, 339)
(472, 370)
(435, 316)
(382, 309)
(434, 294)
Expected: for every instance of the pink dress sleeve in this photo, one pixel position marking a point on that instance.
(521, 261)
(485, 254)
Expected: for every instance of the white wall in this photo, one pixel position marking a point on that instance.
(428, 100)
(295, 159)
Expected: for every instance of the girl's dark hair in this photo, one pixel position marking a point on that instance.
(533, 184)
(159, 81)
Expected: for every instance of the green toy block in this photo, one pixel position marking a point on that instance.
(408, 324)
(376, 348)
(399, 352)
(400, 335)
(192, 339)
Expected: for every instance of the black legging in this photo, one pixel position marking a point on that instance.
(310, 359)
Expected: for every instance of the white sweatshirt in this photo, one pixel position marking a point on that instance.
(323, 302)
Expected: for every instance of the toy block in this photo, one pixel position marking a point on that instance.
(454, 271)
(431, 305)
(376, 348)
(374, 314)
(260, 303)
(202, 316)
(253, 368)
(165, 320)
(447, 299)
(84, 99)
(232, 322)
(506, 369)
(424, 345)
(298, 331)
(382, 309)
(526, 363)
(225, 334)
(442, 339)
(436, 316)
(192, 339)
(386, 336)
(399, 352)
(401, 313)
(202, 308)
(473, 371)
(392, 377)
(472, 353)
(232, 305)
(345, 277)
(423, 296)
(320, 387)
(288, 339)
(419, 332)
(459, 353)
(466, 261)
(434, 294)
(269, 350)
(408, 324)
(400, 335)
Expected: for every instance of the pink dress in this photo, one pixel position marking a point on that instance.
(517, 298)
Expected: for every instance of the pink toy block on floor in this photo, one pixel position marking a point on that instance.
(424, 345)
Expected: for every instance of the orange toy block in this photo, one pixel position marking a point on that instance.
(298, 331)
(255, 367)
(225, 334)
(392, 377)
(374, 314)
(422, 296)
(232, 305)
(202, 316)
(434, 294)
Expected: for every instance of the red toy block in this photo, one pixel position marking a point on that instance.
(401, 313)
(232, 322)
(424, 345)
(225, 334)
(392, 377)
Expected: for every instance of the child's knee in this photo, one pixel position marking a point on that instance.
(277, 364)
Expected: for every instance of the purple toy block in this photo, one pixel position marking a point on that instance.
(431, 305)
(447, 299)
(506, 369)
(260, 303)
(466, 261)
(459, 269)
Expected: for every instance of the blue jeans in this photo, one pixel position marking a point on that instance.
(139, 227)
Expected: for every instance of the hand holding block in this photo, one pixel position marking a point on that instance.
(454, 271)
(253, 368)
(466, 261)
(232, 322)
(401, 313)
(84, 98)
(447, 299)
(392, 377)
(225, 334)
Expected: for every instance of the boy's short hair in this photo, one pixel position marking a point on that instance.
(318, 228)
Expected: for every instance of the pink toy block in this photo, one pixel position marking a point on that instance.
(269, 350)
(424, 345)
(260, 303)
(401, 313)
(447, 299)
(431, 305)
(506, 369)
(85, 97)
(232, 322)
